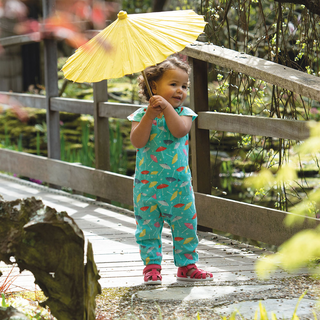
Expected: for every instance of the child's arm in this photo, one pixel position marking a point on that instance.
(179, 126)
(140, 131)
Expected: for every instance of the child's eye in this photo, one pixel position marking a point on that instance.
(173, 84)
(184, 87)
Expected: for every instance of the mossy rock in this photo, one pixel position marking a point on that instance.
(44, 152)
(36, 116)
(75, 146)
(246, 166)
(70, 132)
(69, 117)
(25, 130)
(75, 124)
(33, 145)
(10, 124)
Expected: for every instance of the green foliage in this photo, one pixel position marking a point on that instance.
(7, 142)
(118, 158)
(3, 301)
(284, 33)
(294, 254)
(139, 6)
(84, 153)
(303, 247)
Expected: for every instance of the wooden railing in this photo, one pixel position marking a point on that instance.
(250, 221)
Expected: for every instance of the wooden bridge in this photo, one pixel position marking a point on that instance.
(111, 232)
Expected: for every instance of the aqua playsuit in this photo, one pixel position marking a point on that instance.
(163, 192)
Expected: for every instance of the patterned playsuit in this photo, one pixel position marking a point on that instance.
(163, 192)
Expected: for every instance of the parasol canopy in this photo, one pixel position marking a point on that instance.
(132, 43)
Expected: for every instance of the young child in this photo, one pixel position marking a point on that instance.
(162, 186)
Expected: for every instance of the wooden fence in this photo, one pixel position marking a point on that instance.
(238, 218)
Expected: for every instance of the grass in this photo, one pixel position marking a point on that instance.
(7, 282)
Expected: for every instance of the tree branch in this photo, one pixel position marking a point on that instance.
(312, 5)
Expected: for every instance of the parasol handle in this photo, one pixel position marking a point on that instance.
(147, 84)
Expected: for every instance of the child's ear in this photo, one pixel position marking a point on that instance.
(153, 87)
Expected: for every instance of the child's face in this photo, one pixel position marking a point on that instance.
(173, 86)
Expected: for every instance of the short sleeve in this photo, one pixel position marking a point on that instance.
(137, 115)
(184, 111)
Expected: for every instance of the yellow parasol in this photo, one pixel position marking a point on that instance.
(132, 43)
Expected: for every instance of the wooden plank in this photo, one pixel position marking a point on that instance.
(200, 142)
(101, 127)
(83, 179)
(271, 72)
(72, 105)
(117, 110)
(258, 126)
(106, 109)
(51, 84)
(20, 40)
(247, 220)
(27, 100)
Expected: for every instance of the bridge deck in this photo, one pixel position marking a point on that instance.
(111, 232)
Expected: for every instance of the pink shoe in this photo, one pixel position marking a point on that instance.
(152, 274)
(196, 274)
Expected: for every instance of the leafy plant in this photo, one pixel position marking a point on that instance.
(303, 247)
(118, 158)
(3, 301)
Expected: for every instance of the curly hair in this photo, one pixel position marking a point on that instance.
(154, 73)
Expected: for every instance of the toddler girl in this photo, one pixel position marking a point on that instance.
(162, 185)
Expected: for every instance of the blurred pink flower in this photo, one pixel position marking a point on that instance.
(292, 28)
(314, 111)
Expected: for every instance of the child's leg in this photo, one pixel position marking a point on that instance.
(184, 231)
(148, 233)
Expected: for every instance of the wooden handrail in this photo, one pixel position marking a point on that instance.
(207, 120)
(253, 125)
(20, 40)
(288, 78)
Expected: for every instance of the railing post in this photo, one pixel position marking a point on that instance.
(200, 141)
(51, 85)
(101, 127)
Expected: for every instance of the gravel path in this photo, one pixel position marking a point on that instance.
(123, 303)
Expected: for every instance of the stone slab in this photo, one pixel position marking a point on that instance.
(198, 293)
(282, 308)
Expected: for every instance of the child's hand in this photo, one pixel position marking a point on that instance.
(158, 102)
(153, 112)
